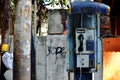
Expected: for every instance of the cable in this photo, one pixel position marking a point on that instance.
(80, 66)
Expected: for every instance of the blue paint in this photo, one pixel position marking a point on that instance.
(84, 15)
(89, 7)
(84, 76)
(92, 59)
(71, 43)
(90, 45)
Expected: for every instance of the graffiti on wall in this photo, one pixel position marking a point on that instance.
(56, 50)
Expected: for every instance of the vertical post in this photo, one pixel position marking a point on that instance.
(35, 6)
(22, 41)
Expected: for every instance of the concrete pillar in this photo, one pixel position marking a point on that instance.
(54, 22)
(22, 41)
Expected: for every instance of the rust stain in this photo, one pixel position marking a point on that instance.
(22, 57)
(27, 29)
(20, 12)
(27, 11)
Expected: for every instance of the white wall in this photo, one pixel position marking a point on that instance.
(51, 65)
(54, 22)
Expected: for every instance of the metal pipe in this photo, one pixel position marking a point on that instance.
(22, 41)
(35, 6)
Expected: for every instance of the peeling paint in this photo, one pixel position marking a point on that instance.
(20, 12)
(28, 69)
(27, 29)
(28, 3)
(27, 11)
(22, 41)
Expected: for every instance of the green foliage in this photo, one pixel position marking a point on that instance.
(56, 2)
(1, 1)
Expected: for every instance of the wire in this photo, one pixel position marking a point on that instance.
(80, 67)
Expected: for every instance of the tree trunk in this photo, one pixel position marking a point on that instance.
(22, 41)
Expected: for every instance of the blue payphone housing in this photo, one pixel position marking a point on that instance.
(84, 45)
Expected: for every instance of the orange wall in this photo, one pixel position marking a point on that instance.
(111, 58)
(111, 44)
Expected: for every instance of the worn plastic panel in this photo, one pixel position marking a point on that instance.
(89, 7)
(88, 40)
(83, 61)
(71, 42)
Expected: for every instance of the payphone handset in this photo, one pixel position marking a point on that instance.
(85, 40)
(80, 38)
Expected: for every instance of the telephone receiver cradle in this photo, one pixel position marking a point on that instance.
(80, 38)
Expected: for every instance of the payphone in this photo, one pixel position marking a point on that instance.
(84, 42)
(85, 47)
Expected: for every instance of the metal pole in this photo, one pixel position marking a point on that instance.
(33, 47)
(35, 6)
(22, 41)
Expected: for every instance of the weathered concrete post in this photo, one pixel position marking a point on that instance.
(22, 41)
